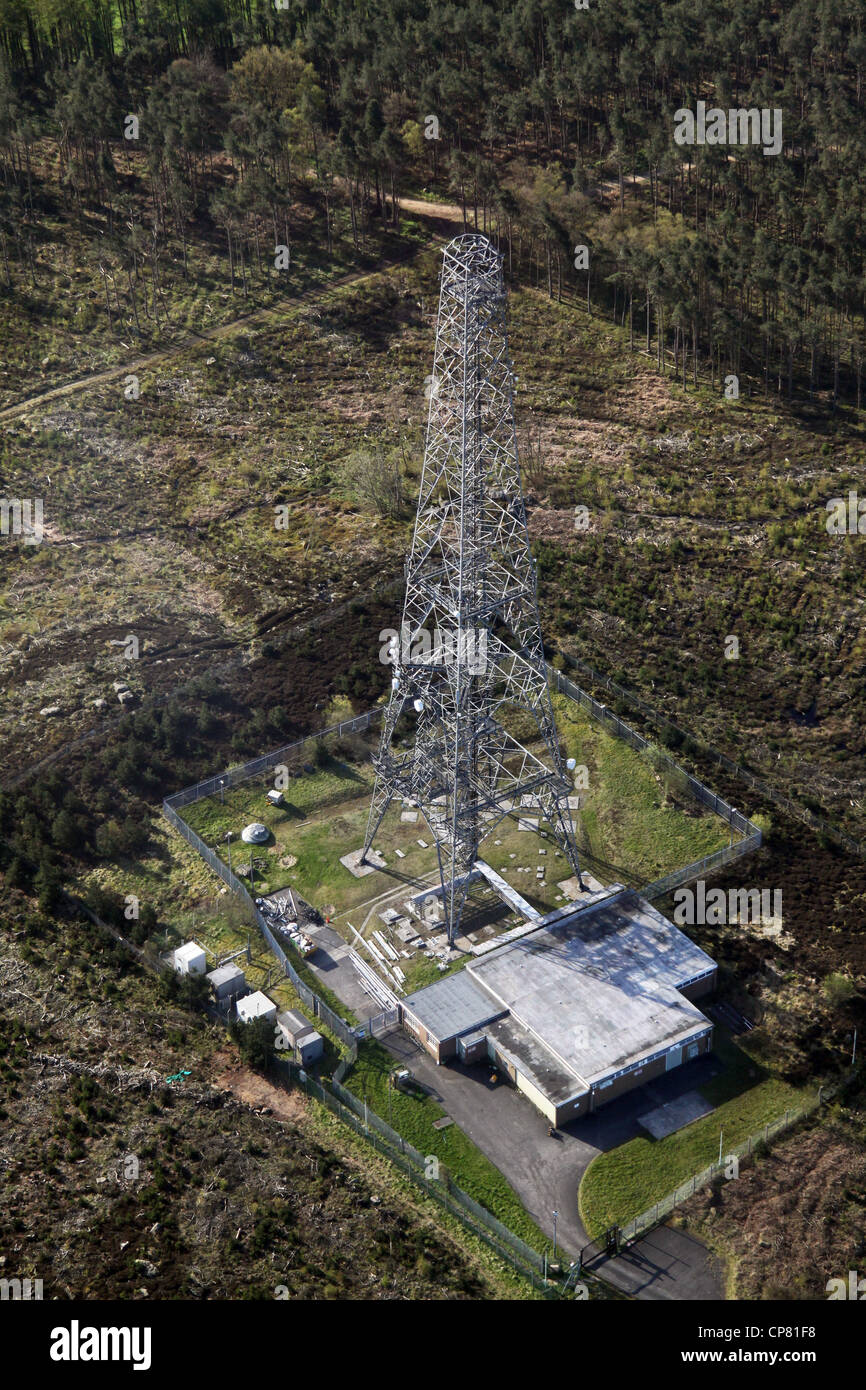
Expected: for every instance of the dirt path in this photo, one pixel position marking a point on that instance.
(448, 212)
(136, 365)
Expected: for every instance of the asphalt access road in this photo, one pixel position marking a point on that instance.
(546, 1172)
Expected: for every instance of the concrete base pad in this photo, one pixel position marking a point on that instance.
(667, 1119)
(356, 868)
(570, 887)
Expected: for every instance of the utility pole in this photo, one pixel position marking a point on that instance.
(470, 654)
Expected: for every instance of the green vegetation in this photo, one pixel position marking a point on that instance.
(553, 125)
(413, 1117)
(838, 988)
(626, 1181)
(632, 820)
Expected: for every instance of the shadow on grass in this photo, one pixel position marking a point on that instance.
(345, 771)
(739, 1073)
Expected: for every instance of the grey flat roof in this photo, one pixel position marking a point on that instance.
(453, 1006)
(224, 973)
(598, 989)
(535, 1062)
(189, 948)
(256, 1004)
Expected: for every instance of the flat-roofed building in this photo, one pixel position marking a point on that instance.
(594, 1002)
(301, 1036)
(189, 959)
(227, 982)
(256, 1005)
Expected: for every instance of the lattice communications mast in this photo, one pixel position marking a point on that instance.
(471, 662)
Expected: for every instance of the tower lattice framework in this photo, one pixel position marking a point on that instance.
(477, 681)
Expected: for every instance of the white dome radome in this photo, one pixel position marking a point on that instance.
(255, 834)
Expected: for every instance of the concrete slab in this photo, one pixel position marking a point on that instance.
(676, 1114)
(352, 862)
(409, 816)
(527, 823)
(570, 887)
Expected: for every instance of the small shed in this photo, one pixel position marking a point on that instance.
(227, 982)
(301, 1035)
(254, 1006)
(190, 959)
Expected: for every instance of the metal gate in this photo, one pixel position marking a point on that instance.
(383, 1022)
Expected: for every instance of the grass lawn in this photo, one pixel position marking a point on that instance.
(624, 1182)
(413, 1117)
(631, 830)
(627, 823)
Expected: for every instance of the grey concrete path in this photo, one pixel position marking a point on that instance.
(334, 968)
(666, 1264)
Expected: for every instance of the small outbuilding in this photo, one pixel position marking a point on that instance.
(227, 982)
(301, 1036)
(189, 959)
(254, 1006)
